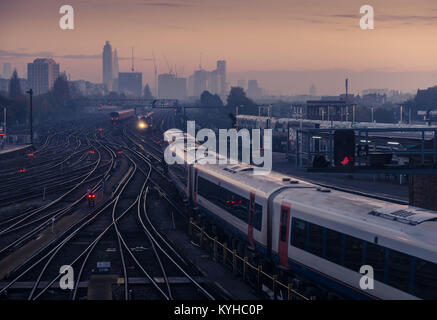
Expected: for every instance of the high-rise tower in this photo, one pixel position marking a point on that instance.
(221, 70)
(107, 66)
(115, 71)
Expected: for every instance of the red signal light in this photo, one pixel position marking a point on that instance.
(22, 170)
(30, 154)
(100, 129)
(91, 151)
(2, 134)
(346, 160)
(120, 152)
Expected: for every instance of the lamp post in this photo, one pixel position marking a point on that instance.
(30, 92)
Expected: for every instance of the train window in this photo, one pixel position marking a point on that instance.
(333, 246)
(375, 257)
(315, 243)
(425, 280)
(283, 226)
(237, 206)
(233, 203)
(211, 191)
(353, 255)
(299, 233)
(399, 270)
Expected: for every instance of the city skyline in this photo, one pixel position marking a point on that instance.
(278, 36)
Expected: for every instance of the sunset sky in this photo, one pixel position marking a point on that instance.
(252, 35)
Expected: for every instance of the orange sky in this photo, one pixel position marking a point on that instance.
(249, 34)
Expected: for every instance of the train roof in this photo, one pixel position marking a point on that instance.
(362, 215)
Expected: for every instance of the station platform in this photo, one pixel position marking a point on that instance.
(372, 184)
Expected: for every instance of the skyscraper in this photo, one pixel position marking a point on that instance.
(115, 71)
(107, 66)
(221, 69)
(41, 75)
(7, 70)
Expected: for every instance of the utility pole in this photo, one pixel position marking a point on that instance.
(4, 129)
(30, 92)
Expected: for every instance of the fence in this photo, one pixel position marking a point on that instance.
(253, 275)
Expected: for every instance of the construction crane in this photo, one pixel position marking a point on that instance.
(170, 71)
(156, 74)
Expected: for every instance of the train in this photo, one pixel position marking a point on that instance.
(122, 115)
(321, 237)
(145, 121)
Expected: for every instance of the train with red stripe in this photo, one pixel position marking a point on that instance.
(117, 116)
(321, 237)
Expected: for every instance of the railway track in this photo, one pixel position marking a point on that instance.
(109, 224)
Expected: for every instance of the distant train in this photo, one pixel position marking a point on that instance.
(322, 237)
(145, 121)
(118, 116)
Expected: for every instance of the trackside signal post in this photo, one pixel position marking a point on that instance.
(30, 92)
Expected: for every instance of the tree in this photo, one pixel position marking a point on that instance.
(208, 99)
(147, 93)
(237, 97)
(14, 85)
(61, 90)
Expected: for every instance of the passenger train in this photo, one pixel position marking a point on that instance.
(118, 116)
(319, 235)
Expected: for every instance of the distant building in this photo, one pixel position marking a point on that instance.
(214, 83)
(7, 70)
(335, 110)
(373, 99)
(221, 70)
(171, 87)
(4, 85)
(107, 66)
(200, 80)
(41, 75)
(130, 83)
(253, 90)
(115, 71)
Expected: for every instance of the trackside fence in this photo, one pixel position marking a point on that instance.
(253, 275)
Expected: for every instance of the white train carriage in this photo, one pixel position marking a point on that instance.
(323, 235)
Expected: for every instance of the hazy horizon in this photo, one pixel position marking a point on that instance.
(312, 38)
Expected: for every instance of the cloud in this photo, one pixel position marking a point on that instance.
(14, 54)
(80, 56)
(50, 54)
(388, 18)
